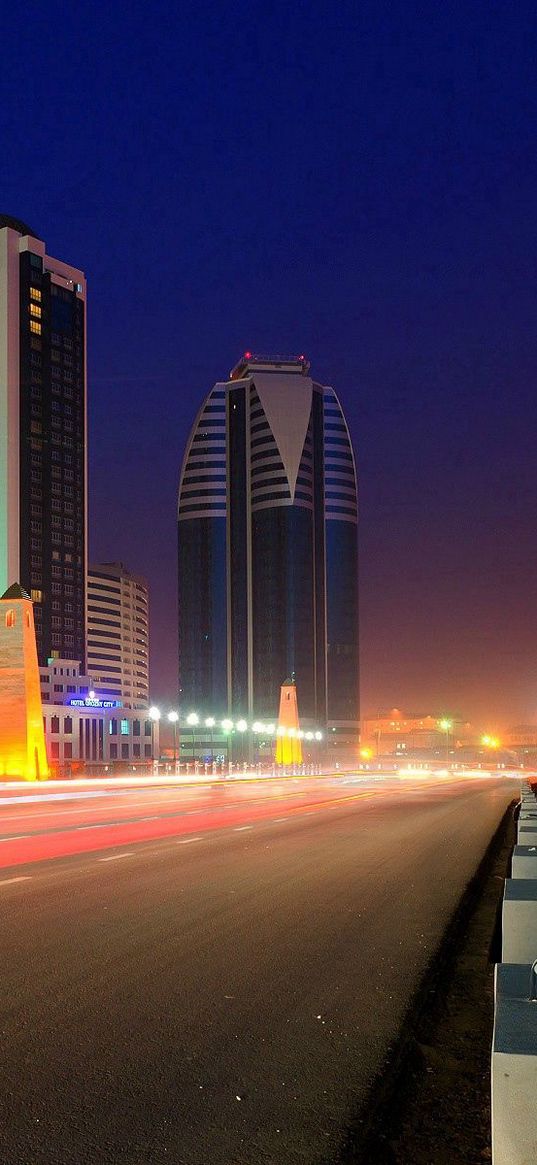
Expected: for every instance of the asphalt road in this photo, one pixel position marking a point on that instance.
(225, 992)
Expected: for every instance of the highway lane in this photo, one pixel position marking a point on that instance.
(45, 824)
(225, 995)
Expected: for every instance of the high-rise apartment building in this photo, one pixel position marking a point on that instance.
(118, 634)
(268, 548)
(43, 475)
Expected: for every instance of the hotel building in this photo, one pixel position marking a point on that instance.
(87, 730)
(43, 473)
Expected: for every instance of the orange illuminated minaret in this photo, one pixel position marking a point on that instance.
(22, 739)
(288, 742)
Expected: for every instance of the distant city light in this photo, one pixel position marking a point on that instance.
(318, 736)
(241, 725)
(445, 725)
(154, 713)
(173, 716)
(227, 725)
(210, 722)
(192, 719)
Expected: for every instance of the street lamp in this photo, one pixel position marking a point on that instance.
(210, 723)
(241, 727)
(173, 718)
(192, 720)
(446, 725)
(154, 715)
(227, 728)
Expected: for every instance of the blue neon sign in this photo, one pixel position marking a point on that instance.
(92, 702)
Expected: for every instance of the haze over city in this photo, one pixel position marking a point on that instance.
(352, 184)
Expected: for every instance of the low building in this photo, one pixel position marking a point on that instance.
(396, 731)
(85, 730)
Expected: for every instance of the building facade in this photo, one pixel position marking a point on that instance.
(86, 730)
(43, 471)
(118, 633)
(268, 564)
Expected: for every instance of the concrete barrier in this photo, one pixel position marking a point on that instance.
(514, 1044)
(514, 1066)
(524, 863)
(519, 921)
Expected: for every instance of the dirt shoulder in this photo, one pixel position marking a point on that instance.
(433, 1107)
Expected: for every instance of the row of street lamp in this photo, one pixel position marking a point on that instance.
(228, 726)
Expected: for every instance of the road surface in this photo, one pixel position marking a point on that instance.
(201, 975)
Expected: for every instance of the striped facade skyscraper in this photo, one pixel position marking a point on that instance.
(268, 557)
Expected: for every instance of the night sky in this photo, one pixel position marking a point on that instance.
(352, 181)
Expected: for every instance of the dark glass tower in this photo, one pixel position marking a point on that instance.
(43, 437)
(268, 569)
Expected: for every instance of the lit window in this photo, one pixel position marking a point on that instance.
(35, 294)
(124, 728)
(35, 310)
(10, 618)
(35, 327)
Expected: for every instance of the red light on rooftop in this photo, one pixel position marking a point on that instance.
(247, 355)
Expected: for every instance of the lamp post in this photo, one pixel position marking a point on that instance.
(210, 723)
(446, 725)
(241, 727)
(154, 716)
(192, 720)
(173, 718)
(227, 728)
(318, 738)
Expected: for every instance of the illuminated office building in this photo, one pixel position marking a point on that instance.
(43, 437)
(268, 565)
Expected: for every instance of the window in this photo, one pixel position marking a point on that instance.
(136, 750)
(55, 727)
(113, 752)
(35, 327)
(124, 724)
(124, 752)
(10, 618)
(68, 750)
(147, 728)
(55, 750)
(136, 728)
(113, 728)
(147, 750)
(35, 310)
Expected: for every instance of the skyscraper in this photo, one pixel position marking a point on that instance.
(118, 633)
(43, 437)
(268, 548)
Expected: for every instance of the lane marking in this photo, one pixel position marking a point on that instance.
(115, 857)
(280, 821)
(15, 837)
(188, 840)
(241, 828)
(22, 878)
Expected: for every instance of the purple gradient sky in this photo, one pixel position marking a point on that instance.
(357, 182)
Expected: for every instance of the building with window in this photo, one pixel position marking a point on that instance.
(118, 633)
(43, 437)
(268, 569)
(86, 730)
